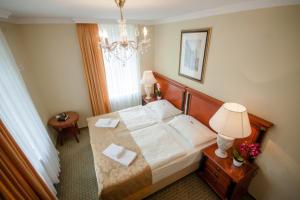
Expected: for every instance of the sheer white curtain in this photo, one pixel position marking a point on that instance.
(22, 120)
(123, 82)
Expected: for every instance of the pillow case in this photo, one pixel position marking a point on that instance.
(163, 109)
(192, 130)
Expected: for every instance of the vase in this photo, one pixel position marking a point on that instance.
(158, 97)
(237, 163)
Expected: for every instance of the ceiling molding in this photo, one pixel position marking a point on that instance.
(253, 5)
(109, 21)
(4, 14)
(71, 21)
(41, 20)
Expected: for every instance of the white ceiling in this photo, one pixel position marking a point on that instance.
(142, 10)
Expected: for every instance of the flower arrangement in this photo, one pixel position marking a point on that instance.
(245, 150)
(158, 92)
(251, 150)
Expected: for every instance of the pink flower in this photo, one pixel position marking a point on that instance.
(158, 86)
(252, 150)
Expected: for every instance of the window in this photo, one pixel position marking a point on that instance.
(123, 79)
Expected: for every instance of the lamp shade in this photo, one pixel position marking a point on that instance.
(231, 120)
(148, 78)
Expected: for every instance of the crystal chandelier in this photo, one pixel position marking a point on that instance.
(124, 48)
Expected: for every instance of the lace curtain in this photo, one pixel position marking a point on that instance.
(123, 81)
(22, 120)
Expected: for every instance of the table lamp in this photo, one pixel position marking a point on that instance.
(148, 80)
(230, 121)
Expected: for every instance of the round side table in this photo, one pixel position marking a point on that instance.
(64, 127)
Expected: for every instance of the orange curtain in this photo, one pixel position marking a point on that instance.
(18, 179)
(93, 67)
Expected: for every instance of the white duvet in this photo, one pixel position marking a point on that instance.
(158, 144)
(137, 117)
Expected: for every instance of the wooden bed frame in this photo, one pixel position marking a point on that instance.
(201, 107)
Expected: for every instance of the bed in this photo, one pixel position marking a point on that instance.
(148, 173)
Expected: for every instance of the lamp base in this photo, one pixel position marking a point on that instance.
(148, 89)
(220, 153)
(224, 143)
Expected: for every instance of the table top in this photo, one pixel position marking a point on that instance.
(73, 118)
(236, 173)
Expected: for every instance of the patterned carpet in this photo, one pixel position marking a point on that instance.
(78, 179)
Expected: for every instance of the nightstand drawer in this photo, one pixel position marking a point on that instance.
(217, 171)
(228, 181)
(216, 178)
(215, 183)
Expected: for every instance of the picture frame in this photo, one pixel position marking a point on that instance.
(194, 45)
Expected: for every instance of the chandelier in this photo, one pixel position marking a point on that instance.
(124, 48)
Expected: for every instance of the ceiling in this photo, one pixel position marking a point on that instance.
(146, 10)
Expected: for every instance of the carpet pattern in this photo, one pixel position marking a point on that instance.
(78, 178)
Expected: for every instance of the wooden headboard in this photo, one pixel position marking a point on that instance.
(171, 90)
(203, 107)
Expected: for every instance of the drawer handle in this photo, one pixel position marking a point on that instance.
(218, 168)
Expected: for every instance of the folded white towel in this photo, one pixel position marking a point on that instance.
(104, 121)
(125, 157)
(115, 150)
(107, 123)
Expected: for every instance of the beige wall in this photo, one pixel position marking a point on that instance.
(253, 60)
(13, 36)
(147, 59)
(56, 67)
(51, 66)
(51, 63)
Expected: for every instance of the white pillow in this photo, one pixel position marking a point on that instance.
(192, 130)
(163, 109)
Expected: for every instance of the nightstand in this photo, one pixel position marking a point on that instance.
(145, 101)
(228, 181)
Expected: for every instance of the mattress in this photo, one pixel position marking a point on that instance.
(193, 155)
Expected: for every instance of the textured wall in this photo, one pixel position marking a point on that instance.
(253, 60)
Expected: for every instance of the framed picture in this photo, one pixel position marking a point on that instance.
(193, 52)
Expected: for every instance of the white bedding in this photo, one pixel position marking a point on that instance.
(164, 148)
(158, 144)
(137, 117)
(163, 158)
(192, 156)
